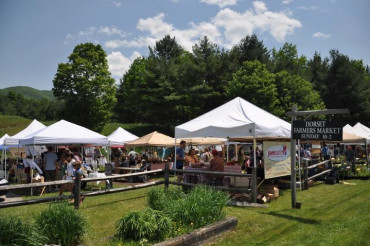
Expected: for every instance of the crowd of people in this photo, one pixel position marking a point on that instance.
(62, 165)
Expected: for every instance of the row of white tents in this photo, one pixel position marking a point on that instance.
(233, 121)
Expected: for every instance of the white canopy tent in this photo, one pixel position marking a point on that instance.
(34, 126)
(120, 136)
(64, 133)
(239, 119)
(235, 119)
(363, 130)
(31, 128)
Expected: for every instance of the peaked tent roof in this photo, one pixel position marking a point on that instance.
(153, 139)
(64, 132)
(237, 118)
(31, 128)
(121, 136)
(363, 130)
(3, 138)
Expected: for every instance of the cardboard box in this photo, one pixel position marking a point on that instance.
(271, 189)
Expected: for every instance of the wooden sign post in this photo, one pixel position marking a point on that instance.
(310, 130)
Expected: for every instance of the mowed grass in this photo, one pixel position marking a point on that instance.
(330, 215)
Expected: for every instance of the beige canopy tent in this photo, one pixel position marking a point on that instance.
(152, 139)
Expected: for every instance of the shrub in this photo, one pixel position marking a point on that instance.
(201, 206)
(14, 232)
(159, 198)
(61, 224)
(149, 224)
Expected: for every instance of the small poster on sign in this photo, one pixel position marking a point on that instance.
(276, 159)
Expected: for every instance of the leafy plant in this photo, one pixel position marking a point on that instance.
(159, 198)
(148, 224)
(15, 232)
(61, 224)
(201, 206)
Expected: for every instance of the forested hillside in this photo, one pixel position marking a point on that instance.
(29, 92)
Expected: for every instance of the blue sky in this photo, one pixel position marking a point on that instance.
(37, 35)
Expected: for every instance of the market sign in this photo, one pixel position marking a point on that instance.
(276, 159)
(317, 130)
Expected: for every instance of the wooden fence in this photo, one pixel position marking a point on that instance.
(77, 182)
(306, 168)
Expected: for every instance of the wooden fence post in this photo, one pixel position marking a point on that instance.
(166, 175)
(305, 169)
(254, 184)
(77, 189)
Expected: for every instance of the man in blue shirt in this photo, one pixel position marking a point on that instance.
(180, 157)
(325, 152)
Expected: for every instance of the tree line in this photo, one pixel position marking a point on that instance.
(171, 85)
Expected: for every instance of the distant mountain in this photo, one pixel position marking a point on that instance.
(29, 92)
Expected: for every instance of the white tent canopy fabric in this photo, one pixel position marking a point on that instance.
(120, 136)
(237, 118)
(64, 132)
(363, 130)
(2, 139)
(31, 128)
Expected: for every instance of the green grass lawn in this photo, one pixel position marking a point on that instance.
(330, 215)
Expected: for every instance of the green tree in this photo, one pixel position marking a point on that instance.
(249, 49)
(318, 72)
(286, 58)
(85, 86)
(348, 87)
(210, 70)
(292, 89)
(254, 83)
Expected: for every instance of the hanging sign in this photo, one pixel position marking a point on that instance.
(317, 130)
(276, 159)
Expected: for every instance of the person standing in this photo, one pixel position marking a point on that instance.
(325, 152)
(241, 157)
(50, 161)
(206, 156)
(216, 164)
(350, 157)
(180, 158)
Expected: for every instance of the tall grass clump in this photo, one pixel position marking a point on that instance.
(61, 224)
(14, 232)
(159, 198)
(201, 206)
(149, 224)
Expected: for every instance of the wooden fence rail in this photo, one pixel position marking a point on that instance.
(306, 178)
(77, 183)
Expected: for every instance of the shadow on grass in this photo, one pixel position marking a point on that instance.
(290, 217)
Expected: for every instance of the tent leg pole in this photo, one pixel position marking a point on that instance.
(254, 173)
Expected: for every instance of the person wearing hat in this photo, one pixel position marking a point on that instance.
(216, 164)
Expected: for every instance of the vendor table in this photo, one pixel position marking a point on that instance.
(127, 169)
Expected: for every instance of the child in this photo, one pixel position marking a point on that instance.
(78, 171)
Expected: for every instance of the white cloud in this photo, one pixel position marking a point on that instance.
(156, 26)
(87, 31)
(117, 3)
(321, 35)
(119, 64)
(107, 30)
(238, 25)
(226, 29)
(312, 7)
(220, 3)
(111, 31)
(287, 1)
